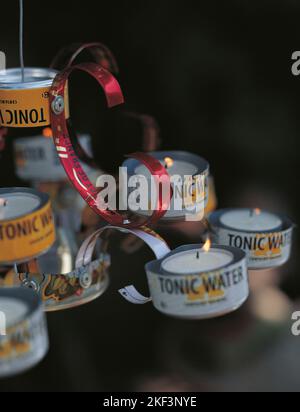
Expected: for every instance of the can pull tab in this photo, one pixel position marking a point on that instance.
(58, 105)
(130, 294)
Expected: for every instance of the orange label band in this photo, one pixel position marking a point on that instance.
(27, 237)
(26, 107)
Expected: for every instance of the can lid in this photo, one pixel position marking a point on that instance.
(34, 77)
(20, 202)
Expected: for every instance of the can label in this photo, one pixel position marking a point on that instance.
(264, 250)
(28, 236)
(27, 107)
(200, 296)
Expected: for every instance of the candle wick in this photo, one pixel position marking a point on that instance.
(198, 255)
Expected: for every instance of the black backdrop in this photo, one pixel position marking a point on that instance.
(217, 77)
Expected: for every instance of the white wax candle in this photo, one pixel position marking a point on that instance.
(178, 167)
(13, 205)
(193, 261)
(14, 310)
(251, 220)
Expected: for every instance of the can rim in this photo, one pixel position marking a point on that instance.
(44, 78)
(203, 166)
(156, 266)
(43, 198)
(215, 220)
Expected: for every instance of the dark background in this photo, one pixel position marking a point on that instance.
(217, 77)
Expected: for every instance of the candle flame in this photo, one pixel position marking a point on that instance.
(207, 246)
(47, 132)
(169, 162)
(257, 212)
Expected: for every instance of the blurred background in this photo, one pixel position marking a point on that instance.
(217, 78)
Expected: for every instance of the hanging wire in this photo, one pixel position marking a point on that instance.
(16, 269)
(21, 39)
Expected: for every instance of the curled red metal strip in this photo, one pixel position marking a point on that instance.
(68, 157)
(65, 58)
(100, 53)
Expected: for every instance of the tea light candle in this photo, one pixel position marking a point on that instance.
(195, 283)
(172, 165)
(14, 205)
(176, 162)
(192, 261)
(180, 164)
(265, 237)
(14, 310)
(251, 220)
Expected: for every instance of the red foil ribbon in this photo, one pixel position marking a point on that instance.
(65, 58)
(69, 159)
(102, 55)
